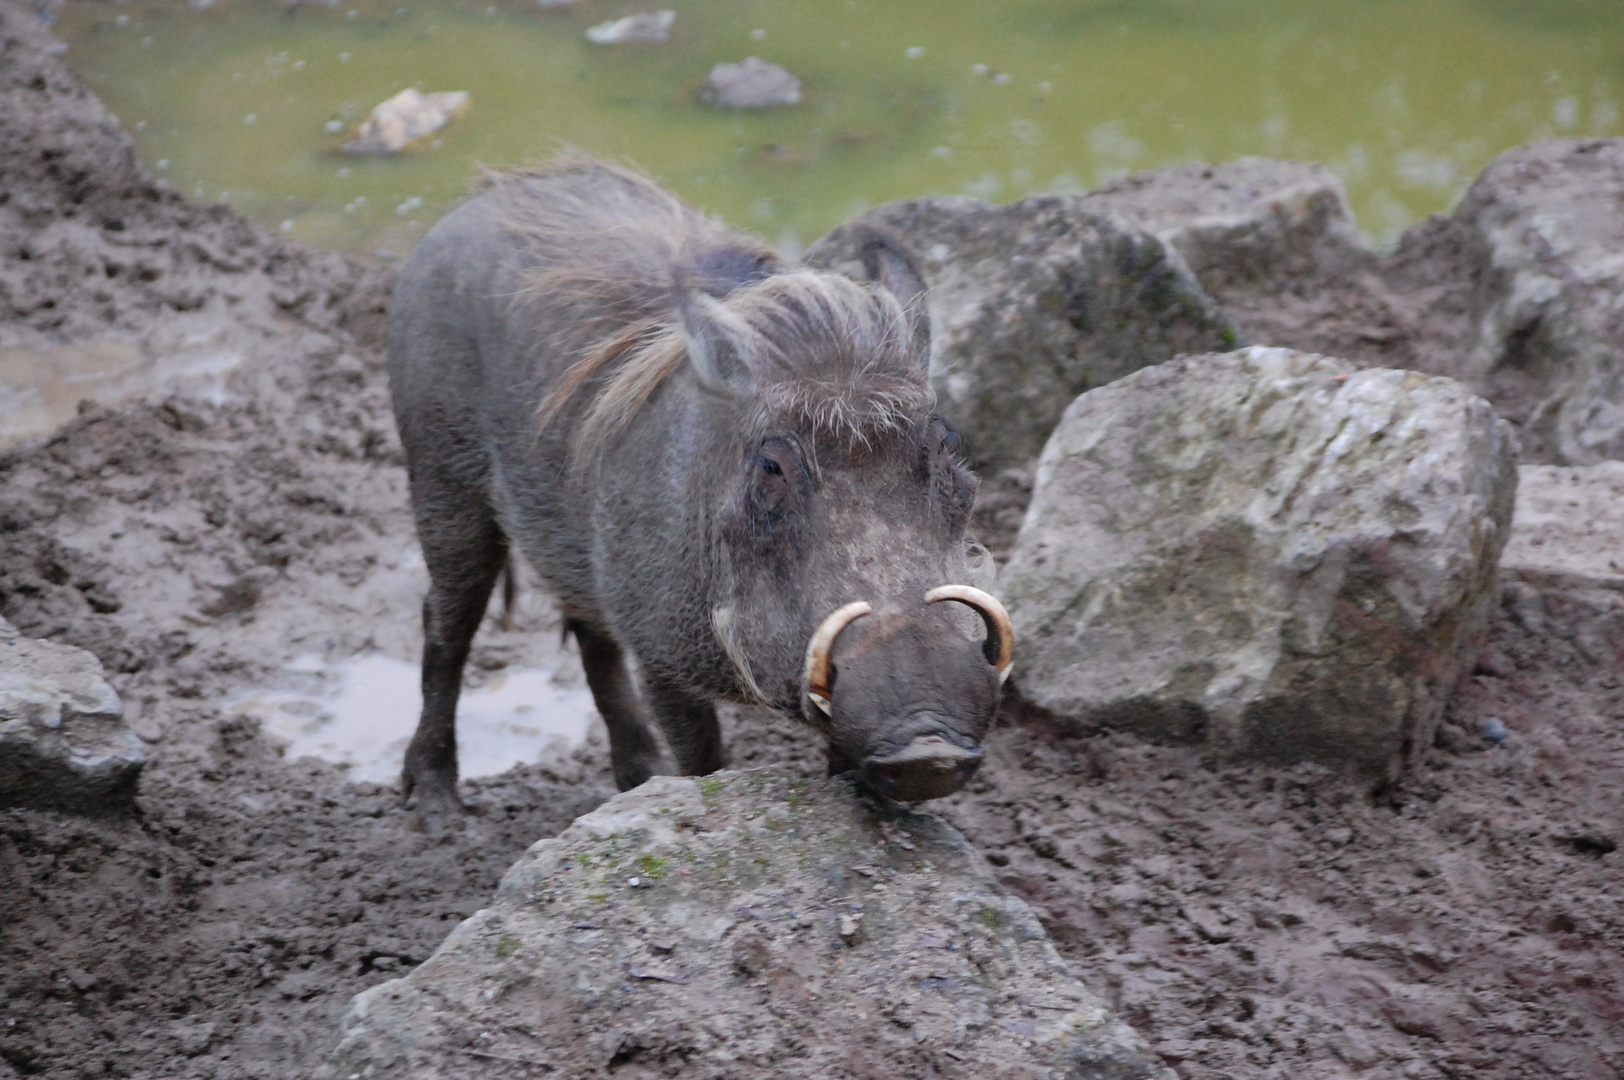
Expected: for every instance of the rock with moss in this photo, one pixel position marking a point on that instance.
(747, 924)
(1033, 303)
(1266, 551)
(64, 744)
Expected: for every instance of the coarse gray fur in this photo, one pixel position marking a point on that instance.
(701, 450)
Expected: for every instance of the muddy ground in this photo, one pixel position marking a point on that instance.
(1252, 921)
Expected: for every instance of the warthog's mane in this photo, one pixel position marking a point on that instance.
(612, 254)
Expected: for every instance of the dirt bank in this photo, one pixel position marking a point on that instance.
(1251, 921)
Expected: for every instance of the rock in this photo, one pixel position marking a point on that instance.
(63, 741)
(1032, 304)
(1267, 551)
(1563, 568)
(649, 27)
(1248, 222)
(1544, 229)
(752, 83)
(1569, 521)
(744, 924)
(405, 118)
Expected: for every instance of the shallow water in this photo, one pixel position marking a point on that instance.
(360, 712)
(40, 389)
(248, 100)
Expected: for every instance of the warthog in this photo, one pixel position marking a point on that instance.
(725, 466)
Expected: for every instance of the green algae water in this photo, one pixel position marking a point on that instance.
(247, 101)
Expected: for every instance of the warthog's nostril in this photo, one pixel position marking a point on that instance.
(929, 767)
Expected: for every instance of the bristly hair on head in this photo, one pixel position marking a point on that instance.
(620, 259)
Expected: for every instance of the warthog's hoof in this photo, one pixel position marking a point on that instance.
(929, 767)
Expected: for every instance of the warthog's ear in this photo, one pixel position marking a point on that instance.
(887, 260)
(712, 349)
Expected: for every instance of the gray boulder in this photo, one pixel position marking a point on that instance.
(748, 924)
(1034, 303)
(1545, 232)
(63, 741)
(1267, 551)
(1246, 223)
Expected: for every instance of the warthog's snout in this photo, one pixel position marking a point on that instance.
(929, 767)
(901, 750)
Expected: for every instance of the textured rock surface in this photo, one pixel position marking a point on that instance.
(1265, 550)
(63, 741)
(1563, 568)
(1245, 222)
(1034, 303)
(1570, 520)
(746, 925)
(1544, 227)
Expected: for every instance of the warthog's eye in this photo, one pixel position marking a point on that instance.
(778, 485)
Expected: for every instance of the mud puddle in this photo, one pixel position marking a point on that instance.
(360, 713)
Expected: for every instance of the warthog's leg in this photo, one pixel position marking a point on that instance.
(633, 751)
(690, 729)
(465, 552)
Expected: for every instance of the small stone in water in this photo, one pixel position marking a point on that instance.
(648, 26)
(405, 118)
(752, 83)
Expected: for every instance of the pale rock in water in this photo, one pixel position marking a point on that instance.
(64, 744)
(747, 924)
(752, 83)
(1545, 230)
(649, 27)
(403, 119)
(1266, 551)
(1034, 303)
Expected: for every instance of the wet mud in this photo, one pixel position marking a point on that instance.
(1251, 921)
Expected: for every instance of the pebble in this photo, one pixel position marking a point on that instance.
(649, 26)
(752, 83)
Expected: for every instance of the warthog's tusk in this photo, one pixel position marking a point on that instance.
(1000, 633)
(822, 644)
